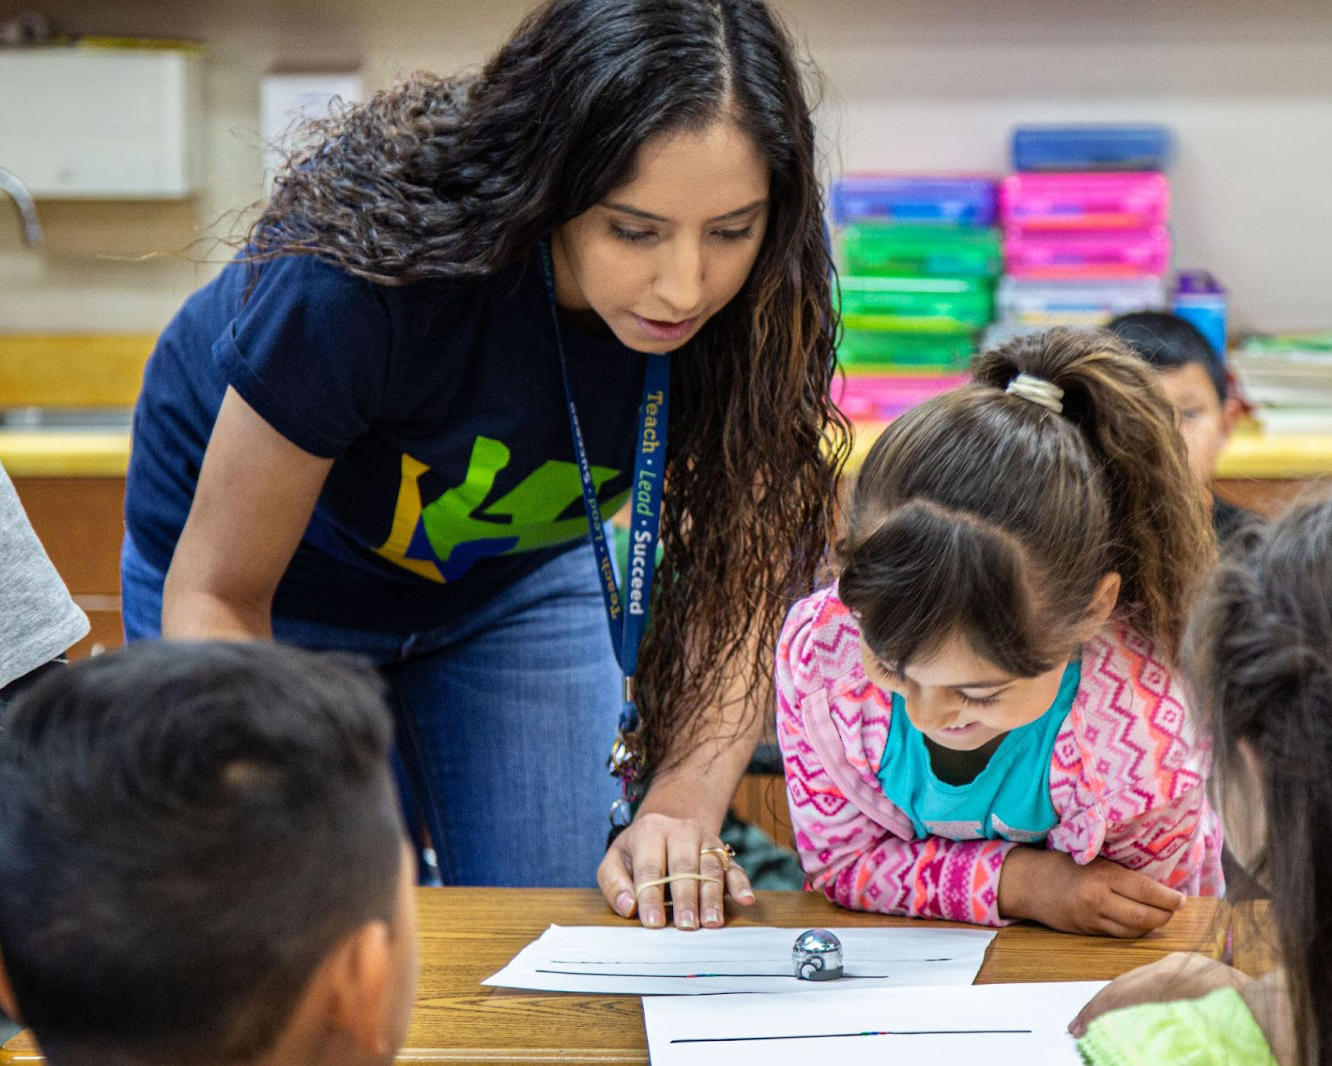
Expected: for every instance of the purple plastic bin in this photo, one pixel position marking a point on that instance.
(950, 199)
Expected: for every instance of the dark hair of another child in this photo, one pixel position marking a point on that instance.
(459, 177)
(186, 830)
(1260, 655)
(983, 515)
(1169, 342)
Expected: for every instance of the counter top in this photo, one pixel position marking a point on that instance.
(1252, 455)
(69, 372)
(70, 453)
(97, 453)
(104, 371)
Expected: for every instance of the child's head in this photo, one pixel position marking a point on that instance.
(1261, 659)
(201, 860)
(1192, 375)
(988, 533)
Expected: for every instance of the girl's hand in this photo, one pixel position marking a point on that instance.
(656, 846)
(1101, 898)
(1180, 975)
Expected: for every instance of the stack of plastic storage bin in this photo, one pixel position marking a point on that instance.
(1085, 225)
(919, 256)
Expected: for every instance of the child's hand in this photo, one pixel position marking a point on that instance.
(1180, 975)
(1101, 898)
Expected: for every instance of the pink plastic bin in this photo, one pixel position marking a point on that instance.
(882, 397)
(1129, 254)
(1044, 202)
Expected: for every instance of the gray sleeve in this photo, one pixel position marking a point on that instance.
(38, 619)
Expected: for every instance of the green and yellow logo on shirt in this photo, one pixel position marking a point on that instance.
(442, 540)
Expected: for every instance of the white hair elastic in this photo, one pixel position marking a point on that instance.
(1038, 390)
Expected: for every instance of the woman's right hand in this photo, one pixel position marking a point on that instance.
(1101, 898)
(657, 845)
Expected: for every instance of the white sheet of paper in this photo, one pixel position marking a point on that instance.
(999, 1025)
(638, 961)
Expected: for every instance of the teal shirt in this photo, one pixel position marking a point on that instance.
(1008, 800)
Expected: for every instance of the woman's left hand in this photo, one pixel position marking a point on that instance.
(657, 846)
(1180, 975)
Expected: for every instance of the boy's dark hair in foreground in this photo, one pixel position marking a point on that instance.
(186, 831)
(1168, 342)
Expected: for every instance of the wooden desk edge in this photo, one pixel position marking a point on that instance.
(1202, 926)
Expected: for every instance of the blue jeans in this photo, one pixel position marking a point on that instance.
(504, 718)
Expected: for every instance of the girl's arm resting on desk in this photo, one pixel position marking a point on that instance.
(1112, 867)
(859, 864)
(1135, 833)
(1100, 898)
(933, 877)
(254, 498)
(1129, 773)
(1176, 842)
(1122, 858)
(863, 852)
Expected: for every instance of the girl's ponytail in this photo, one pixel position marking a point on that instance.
(1161, 535)
(1059, 465)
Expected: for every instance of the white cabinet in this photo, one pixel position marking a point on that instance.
(102, 123)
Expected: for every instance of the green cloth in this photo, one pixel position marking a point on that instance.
(1217, 1030)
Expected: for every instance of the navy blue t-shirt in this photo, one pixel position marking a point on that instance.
(441, 406)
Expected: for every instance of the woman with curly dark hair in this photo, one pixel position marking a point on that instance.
(394, 422)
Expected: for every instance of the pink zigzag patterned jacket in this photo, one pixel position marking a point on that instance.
(1126, 778)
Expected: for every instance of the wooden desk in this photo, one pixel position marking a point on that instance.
(1253, 937)
(468, 933)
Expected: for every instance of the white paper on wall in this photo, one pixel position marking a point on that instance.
(285, 100)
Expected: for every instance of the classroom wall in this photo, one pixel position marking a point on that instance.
(1246, 84)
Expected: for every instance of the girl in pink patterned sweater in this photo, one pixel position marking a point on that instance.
(980, 720)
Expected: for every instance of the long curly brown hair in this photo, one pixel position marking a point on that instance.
(460, 177)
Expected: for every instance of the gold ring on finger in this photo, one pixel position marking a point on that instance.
(724, 852)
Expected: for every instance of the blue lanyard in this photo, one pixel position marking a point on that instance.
(626, 616)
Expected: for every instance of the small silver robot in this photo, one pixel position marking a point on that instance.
(817, 956)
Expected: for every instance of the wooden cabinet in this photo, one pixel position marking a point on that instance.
(80, 520)
(761, 800)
